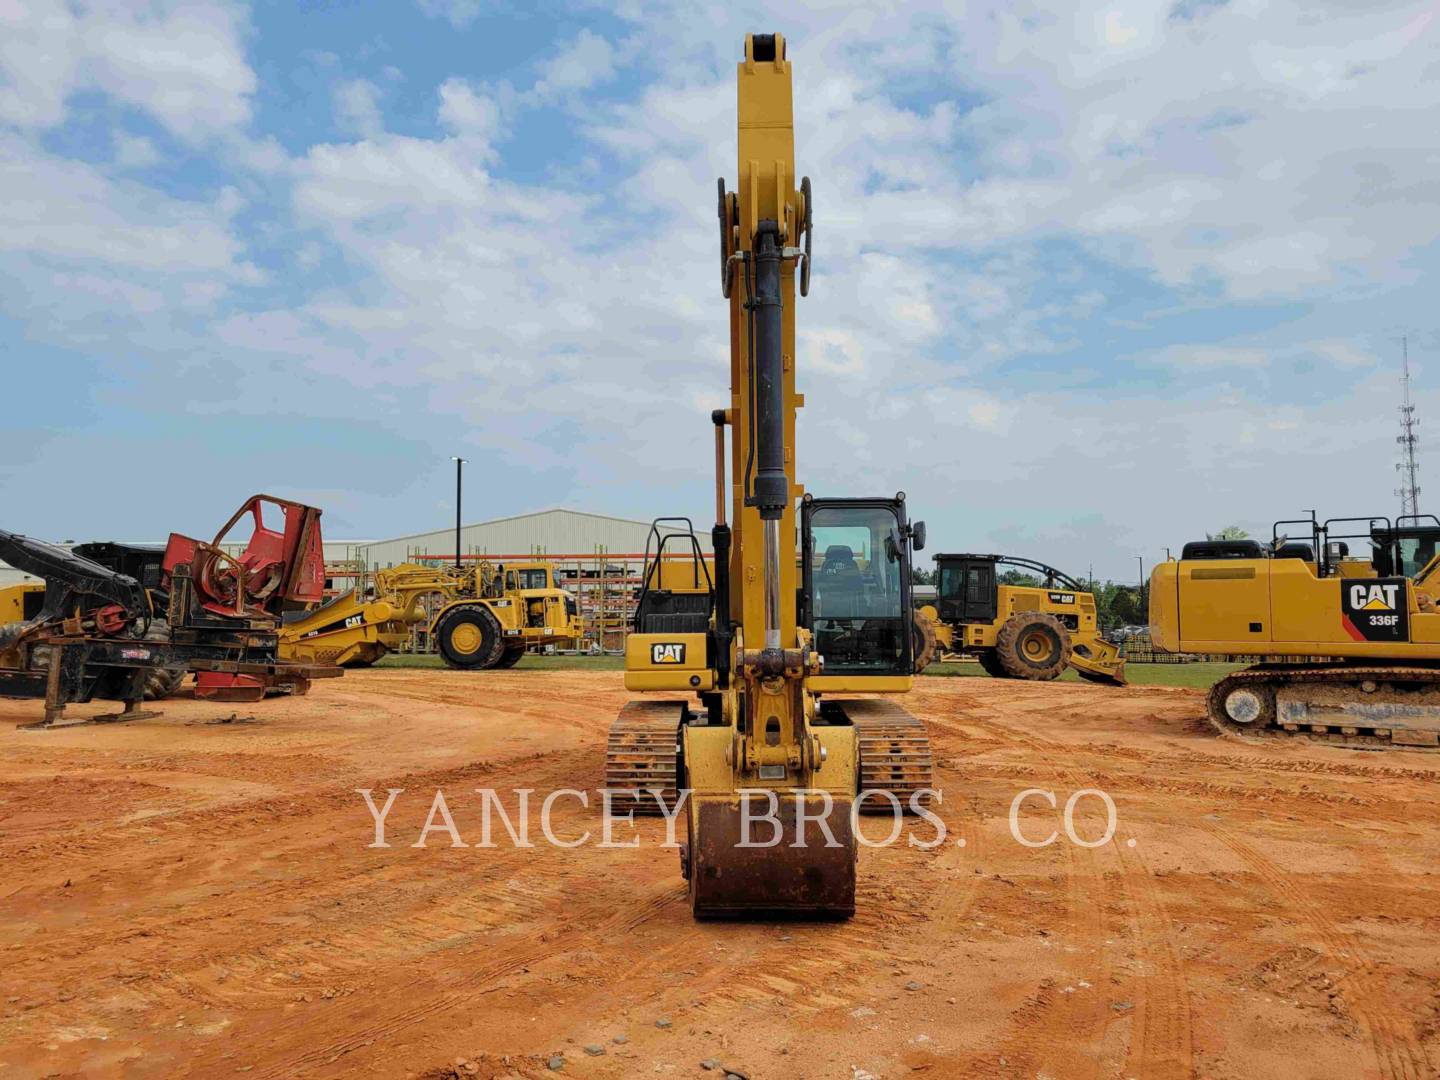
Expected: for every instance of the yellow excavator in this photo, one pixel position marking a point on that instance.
(1348, 645)
(488, 616)
(1015, 631)
(767, 654)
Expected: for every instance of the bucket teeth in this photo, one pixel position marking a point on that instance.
(641, 756)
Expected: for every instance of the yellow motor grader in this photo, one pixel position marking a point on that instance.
(1015, 631)
(760, 662)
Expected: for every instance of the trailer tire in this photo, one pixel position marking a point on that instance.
(1033, 645)
(469, 637)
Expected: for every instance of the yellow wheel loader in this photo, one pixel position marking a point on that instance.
(1015, 631)
(1349, 645)
(757, 652)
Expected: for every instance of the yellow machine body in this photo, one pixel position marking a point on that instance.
(347, 631)
(21, 602)
(1280, 607)
(529, 605)
(493, 616)
(727, 629)
(1016, 631)
(1349, 648)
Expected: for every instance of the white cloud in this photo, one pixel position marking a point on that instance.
(357, 107)
(1209, 357)
(459, 13)
(135, 151)
(582, 63)
(183, 63)
(469, 112)
(68, 210)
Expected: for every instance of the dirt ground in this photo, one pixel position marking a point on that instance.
(185, 897)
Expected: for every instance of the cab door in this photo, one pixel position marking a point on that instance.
(967, 590)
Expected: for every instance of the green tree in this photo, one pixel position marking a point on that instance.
(1230, 532)
(1019, 577)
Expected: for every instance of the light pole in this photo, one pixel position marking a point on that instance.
(1141, 560)
(459, 468)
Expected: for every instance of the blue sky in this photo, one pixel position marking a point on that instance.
(1090, 278)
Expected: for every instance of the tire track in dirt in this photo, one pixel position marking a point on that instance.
(357, 915)
(1399, 1055)
(504, 961)
(1049, 1025)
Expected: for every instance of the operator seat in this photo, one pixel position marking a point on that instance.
(838, 584)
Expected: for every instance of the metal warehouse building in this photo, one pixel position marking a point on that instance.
(556, 534)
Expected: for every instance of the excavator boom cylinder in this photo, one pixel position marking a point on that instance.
(772, 485)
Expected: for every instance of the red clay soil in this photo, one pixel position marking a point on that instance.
(182, 897)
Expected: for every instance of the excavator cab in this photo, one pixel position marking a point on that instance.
(856, 589)
(1405, 549)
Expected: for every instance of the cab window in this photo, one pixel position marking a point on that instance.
(857, 590)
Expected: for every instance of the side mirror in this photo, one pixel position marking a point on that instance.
(917, 536)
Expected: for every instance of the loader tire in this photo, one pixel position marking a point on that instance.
(510, 657)
(469, 638)
(1033, 645)
(923, 644)
(990, 664)
(162, 682)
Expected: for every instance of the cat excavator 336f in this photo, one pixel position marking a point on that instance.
(757, 647)
(1351, 644)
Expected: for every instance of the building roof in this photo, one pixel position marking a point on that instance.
(513, 517)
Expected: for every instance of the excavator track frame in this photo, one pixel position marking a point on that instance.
(642, 755)
(1268, 679)
(895, 753)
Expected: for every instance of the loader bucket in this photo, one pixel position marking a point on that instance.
(1097, 660)
(731, 881)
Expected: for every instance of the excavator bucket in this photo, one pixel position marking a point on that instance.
(803, 873)
(1097, 660)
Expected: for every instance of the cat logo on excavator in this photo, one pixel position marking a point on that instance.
(667, 653)
(1373, 597)
(1374, 611)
